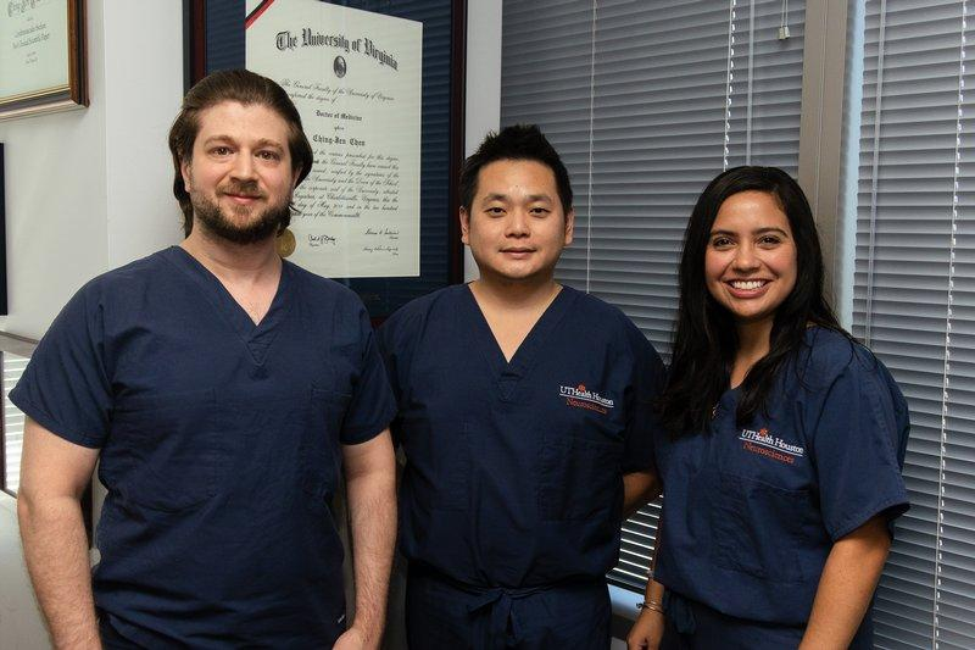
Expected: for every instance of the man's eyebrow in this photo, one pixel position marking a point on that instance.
(263, 143)
(497, 196)
(218, 138)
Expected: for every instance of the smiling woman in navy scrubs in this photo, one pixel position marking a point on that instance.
(782, 462)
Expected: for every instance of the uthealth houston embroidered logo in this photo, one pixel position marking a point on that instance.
(582, 398)
(763, 443)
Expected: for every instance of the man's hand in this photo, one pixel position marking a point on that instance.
(54, 475)
(352, 639)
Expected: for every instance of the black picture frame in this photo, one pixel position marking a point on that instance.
(214, 34)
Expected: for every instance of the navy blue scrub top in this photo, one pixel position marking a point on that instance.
(514, 470)
(751, 512)
(220, 447)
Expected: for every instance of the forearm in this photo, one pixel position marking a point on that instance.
(56, 553)
(372, 503)
(654, 592)
(639, 488)
(648, 630)
(846, 587)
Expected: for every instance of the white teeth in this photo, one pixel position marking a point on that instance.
(747, 285)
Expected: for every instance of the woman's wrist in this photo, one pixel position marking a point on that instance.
(650, 606)
(654, 591)
(653, 598)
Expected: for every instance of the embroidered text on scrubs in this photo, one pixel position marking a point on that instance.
(763, 443)
(580, 392)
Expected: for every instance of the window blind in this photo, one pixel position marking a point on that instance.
(13, 420)
(646, 103)
(914, 301)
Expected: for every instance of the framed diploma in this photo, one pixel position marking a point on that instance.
(43, 56)
(379, 85)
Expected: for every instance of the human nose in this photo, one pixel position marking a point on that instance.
(745, 258)
(243, 168)
(517, 225)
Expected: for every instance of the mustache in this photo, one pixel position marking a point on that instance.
(245, 188)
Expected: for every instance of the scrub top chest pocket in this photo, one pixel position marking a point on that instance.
(580, 458)
(163, 452)
(757, 527)
(762, 500)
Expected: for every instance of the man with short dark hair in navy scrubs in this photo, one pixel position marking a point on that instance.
(526, 417)
(224, 391)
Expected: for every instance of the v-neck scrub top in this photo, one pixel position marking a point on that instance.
(751, 512)
(220, 447)
(514, 469)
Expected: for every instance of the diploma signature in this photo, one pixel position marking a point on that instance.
(320, 240)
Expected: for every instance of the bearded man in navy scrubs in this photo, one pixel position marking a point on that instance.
(223, 390)
(525, 414)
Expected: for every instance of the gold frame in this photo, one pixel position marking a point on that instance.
(63, 97)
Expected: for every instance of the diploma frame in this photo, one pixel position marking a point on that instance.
(74, 94)
(208, 40)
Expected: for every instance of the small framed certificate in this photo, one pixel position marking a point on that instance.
(43, 62)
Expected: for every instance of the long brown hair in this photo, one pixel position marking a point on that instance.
(705, 335)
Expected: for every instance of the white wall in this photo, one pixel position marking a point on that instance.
(20, 625)
(483, 84)
(86, 191)
(55, 200)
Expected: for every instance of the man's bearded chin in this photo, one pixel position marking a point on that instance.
(273, 220)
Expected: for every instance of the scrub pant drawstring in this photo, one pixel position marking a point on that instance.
(504, 629)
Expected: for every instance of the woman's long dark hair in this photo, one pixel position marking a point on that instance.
(706, 337)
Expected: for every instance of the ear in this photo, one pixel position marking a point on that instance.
(294, 181)
(465, 226)
(184, 170)
(570, 226)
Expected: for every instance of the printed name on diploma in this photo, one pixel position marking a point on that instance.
(329, 139)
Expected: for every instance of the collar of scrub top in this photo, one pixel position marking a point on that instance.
(507, 374)
(255, 337)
